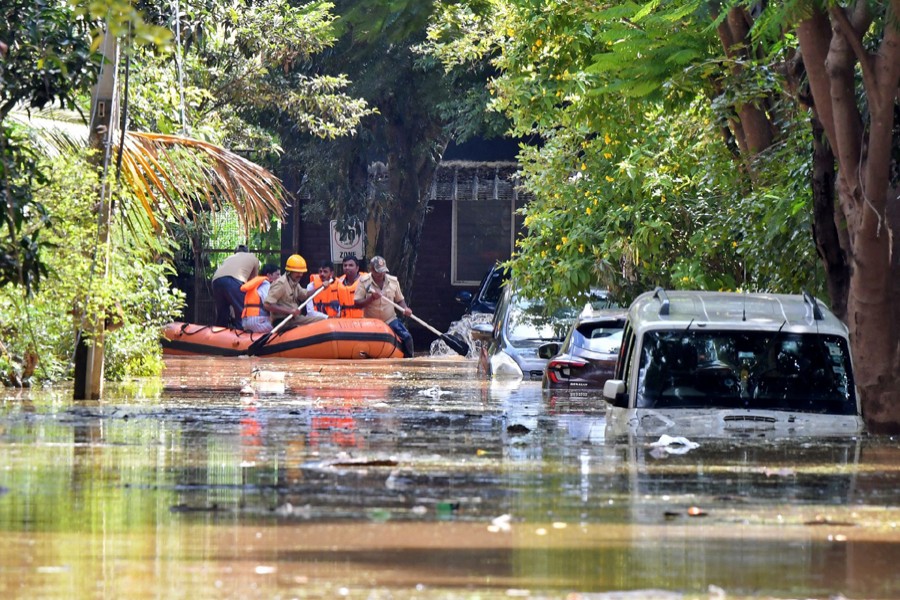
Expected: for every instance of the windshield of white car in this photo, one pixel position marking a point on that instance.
(767, 370)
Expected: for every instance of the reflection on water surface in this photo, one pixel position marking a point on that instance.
(401, 479)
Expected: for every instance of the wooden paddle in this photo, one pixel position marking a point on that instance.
(262, 341)
(456, 344)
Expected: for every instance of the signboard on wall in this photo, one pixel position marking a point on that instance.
(342, 247)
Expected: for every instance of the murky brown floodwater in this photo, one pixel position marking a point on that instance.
(417, 479)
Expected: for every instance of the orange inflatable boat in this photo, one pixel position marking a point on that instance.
(330, 338)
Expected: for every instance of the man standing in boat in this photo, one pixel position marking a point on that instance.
(234, 272)
(372, 294)
(286, 295)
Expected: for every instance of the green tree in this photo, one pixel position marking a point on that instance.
(134, 301)
(662, 79)
(381, 175)
(172, 178)
(45, 58)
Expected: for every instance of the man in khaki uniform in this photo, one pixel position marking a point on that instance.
(373, 288)
(287, 294)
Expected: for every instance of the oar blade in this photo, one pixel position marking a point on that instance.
(257, 345)
(456, 344)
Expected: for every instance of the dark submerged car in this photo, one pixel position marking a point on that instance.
(485, 299)
(588, 355)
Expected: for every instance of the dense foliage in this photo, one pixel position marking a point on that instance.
(134, 298)
(638, 180)
(698, 144)
(45, 58)
(380, 176)
(222, 70)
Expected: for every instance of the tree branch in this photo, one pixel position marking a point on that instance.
(815, 35)
(854, 39)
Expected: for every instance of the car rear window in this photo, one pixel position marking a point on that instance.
(598, 336)
(528, 321)
(493, 287)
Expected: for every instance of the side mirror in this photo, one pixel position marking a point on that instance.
(548, 350)
(482, 332)
(614, 393)
(464, 298)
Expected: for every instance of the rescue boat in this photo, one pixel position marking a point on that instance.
(326, 339)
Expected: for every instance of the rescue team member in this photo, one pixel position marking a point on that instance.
(337, 299)
(370, 294)
(326, 302)
(286, 295)
(234, 272)
(255, 316)
(346, 289)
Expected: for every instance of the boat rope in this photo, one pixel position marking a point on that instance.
(239, 333)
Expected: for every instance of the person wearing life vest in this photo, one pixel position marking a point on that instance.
(326, 302)
(287, 294)
(255, 317)
(346, 288)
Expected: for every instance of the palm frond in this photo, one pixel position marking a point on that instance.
(191, 169)
(168, 173)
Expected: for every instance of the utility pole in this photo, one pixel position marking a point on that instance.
(104, 120)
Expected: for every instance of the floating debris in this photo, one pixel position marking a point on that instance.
(184, 508)
(823, 520)
(247, 390)
(778, 472)
(268, 382)
(434, 392)
(517, 429)
(376, 462)
(501, 523)
(674, 445)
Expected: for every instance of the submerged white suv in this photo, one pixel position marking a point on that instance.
(706, 363)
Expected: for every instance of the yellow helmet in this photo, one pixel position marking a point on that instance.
(296, 264)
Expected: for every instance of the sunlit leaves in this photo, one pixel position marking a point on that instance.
(49, 59)
(632, 183)
(135, 292)
(243, 73)
(120, 18)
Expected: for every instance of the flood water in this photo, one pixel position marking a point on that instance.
(418, 479)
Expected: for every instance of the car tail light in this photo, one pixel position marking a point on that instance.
(559, 371)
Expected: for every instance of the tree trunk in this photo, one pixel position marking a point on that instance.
(828, 224)
(411, 168)
(832, 50)
(753, 130)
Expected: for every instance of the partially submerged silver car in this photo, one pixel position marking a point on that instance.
(706, 363)
(521, 326)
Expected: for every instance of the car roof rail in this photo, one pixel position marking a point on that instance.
(660, 294)
(817, 312)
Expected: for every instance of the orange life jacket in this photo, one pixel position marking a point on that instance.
(327, 301)
(345, 297)
(252, 303)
